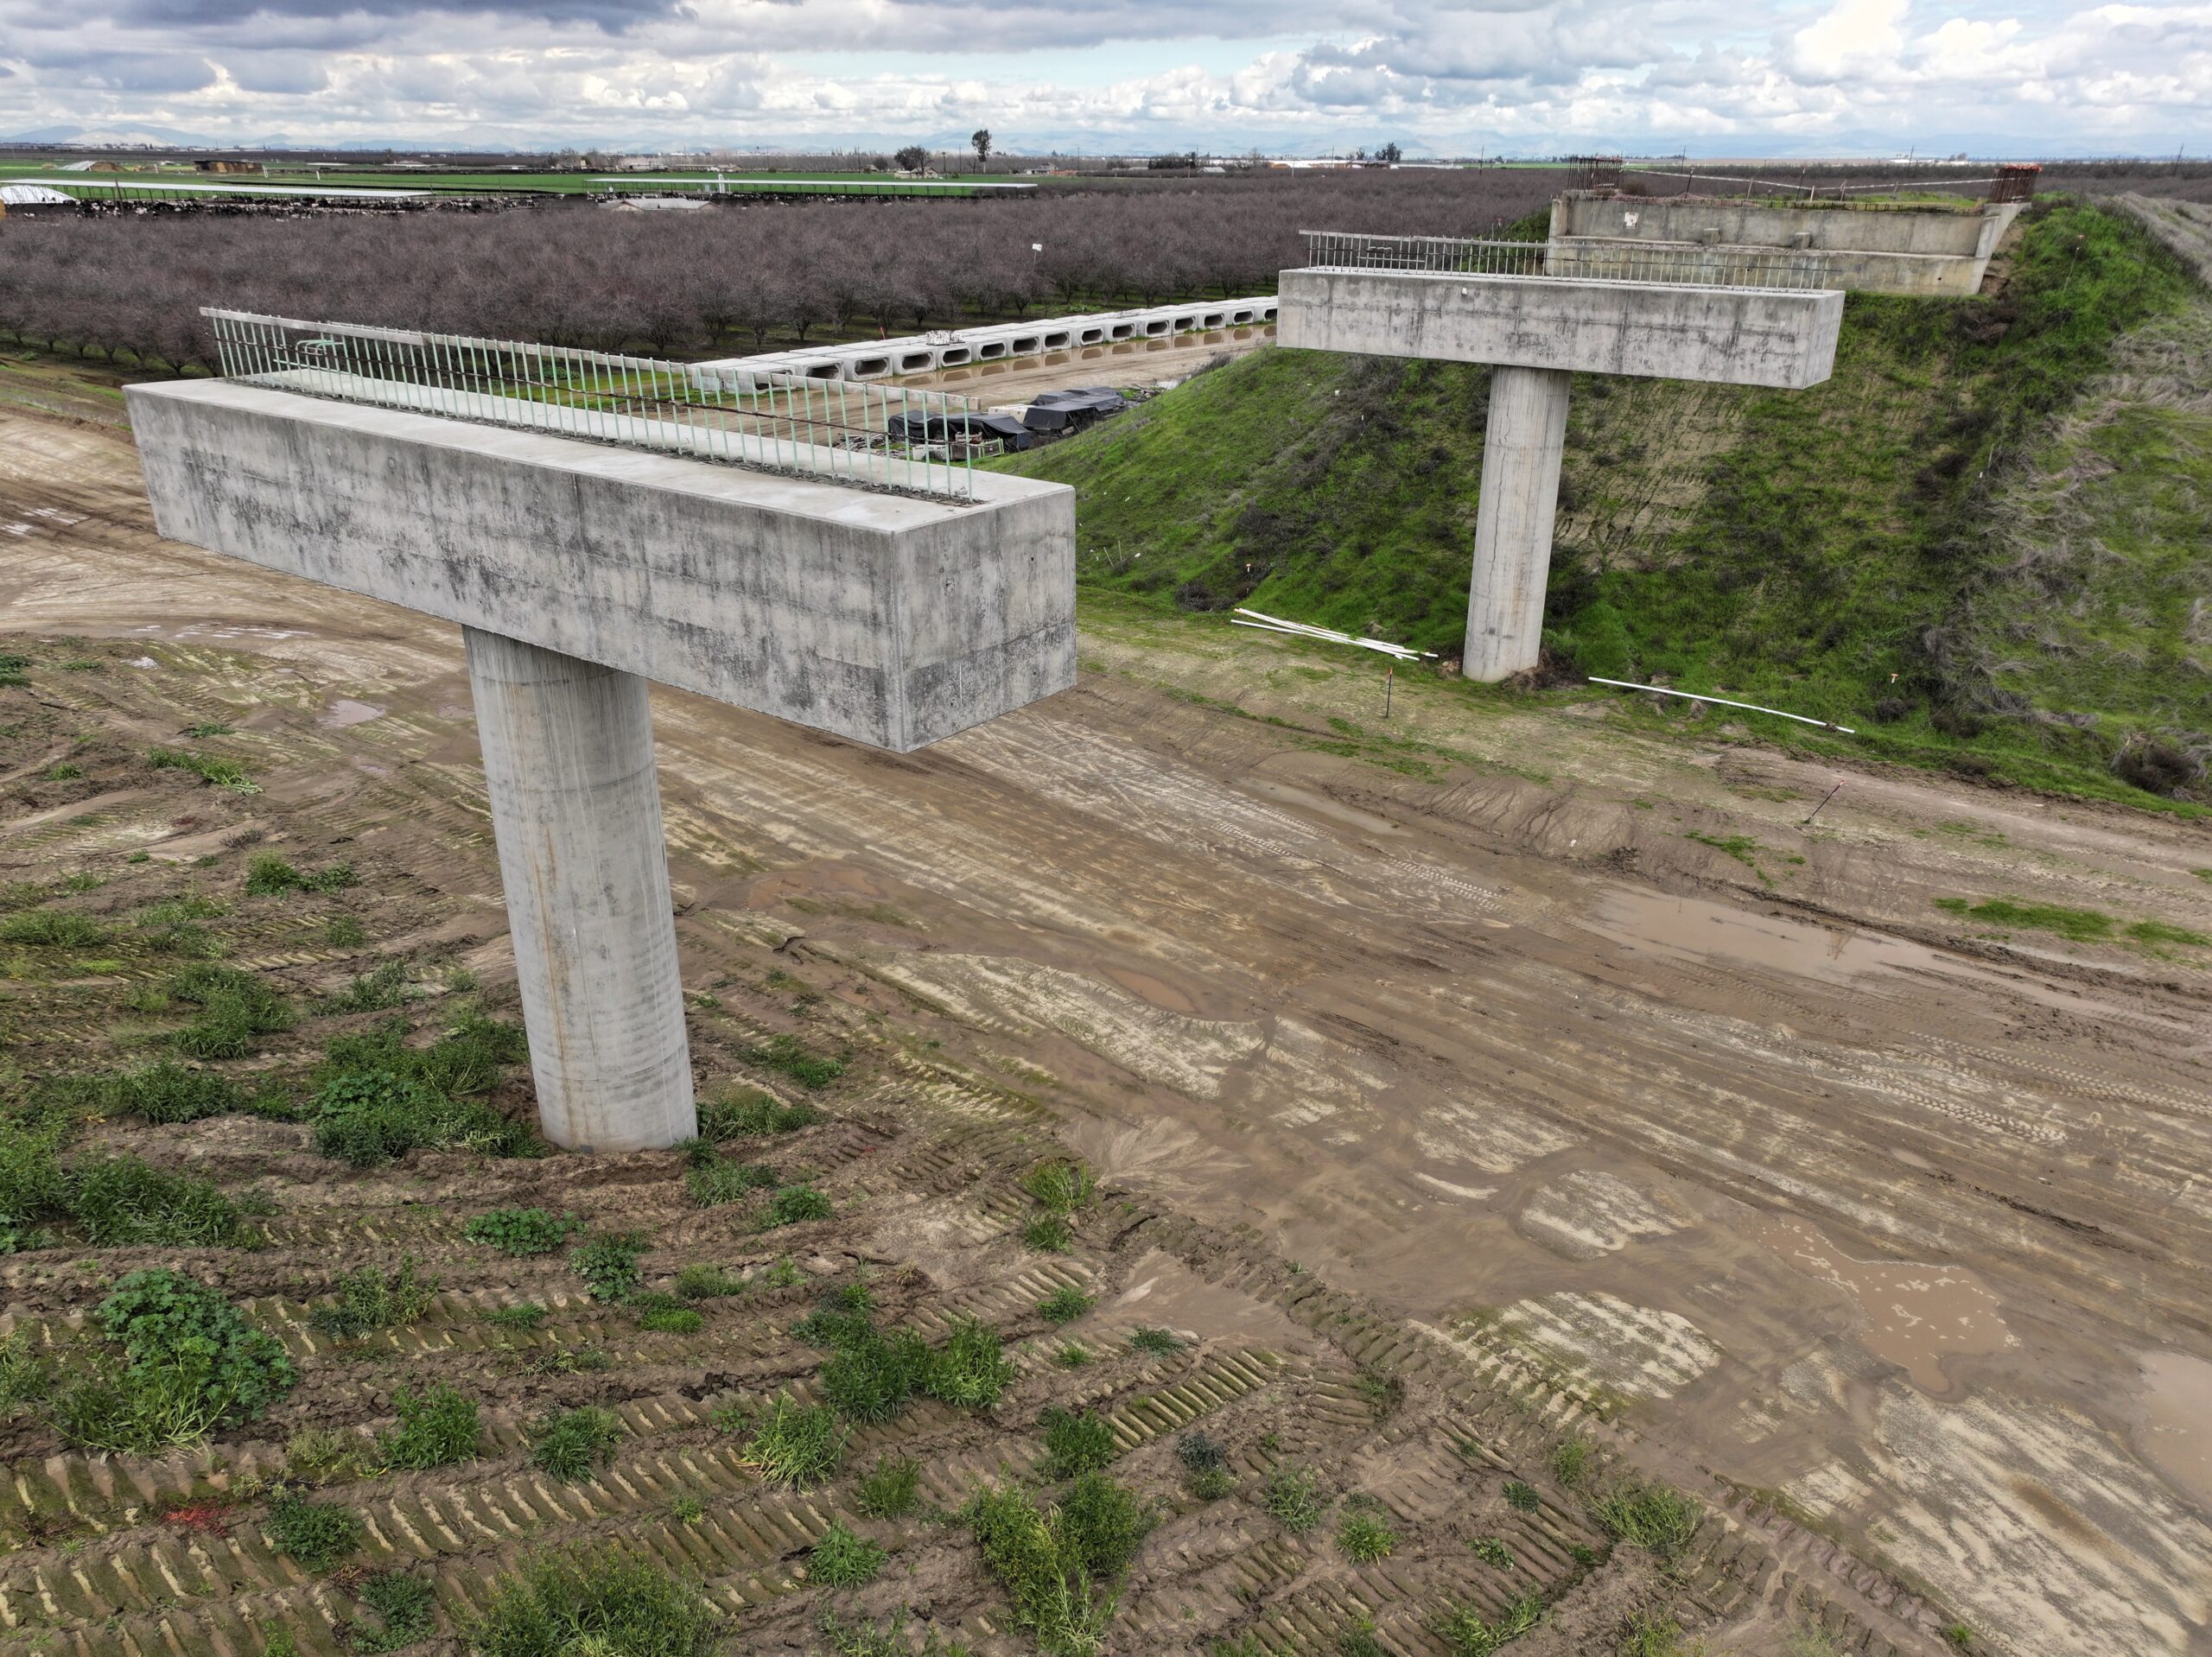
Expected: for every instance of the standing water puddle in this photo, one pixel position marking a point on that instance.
(2178, 1398)
(1917, 1316)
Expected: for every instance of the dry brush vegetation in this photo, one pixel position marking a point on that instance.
(739, 277)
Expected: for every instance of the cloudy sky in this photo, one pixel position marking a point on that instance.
(1446, 76)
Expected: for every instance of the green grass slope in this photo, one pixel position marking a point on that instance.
(1858, 551)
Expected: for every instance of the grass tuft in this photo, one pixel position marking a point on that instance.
(316, 1534)
(796, 1444)
(890, 1490)
(369, 1300)
(1064, 1304)
(574, 1443)
(1076, 1444)
(1293, 1495)
(844, 1559)
(604, 1604)
(438, 1429)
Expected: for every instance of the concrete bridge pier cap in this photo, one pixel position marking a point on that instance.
(578, 572)
(1537, 332)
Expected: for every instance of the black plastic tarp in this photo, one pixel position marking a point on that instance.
(980, 427)
(1056, 411)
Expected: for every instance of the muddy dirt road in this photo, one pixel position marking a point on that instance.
(1564, 1042)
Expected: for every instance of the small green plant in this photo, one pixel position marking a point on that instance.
(1064, 1304)
(608, 1266)
(874, 1374)
(1073, 1355)
(797, 1445)
(1469, 1633)
(12, 672)
(377, 990)
(1061, 1184)
(844, 1559)
(1522, 1497)
(522, 1231)
(1365, 1539)
(687, 1510)
(717, 1181)
(1200, 1454)
(1492, 1551)
(834, 1325)
(1356, 1639)
(1293, 1495)
(971, 1370)
(891, 1488)
(605, 1604)
(795, 1205)
(406, 1609)
(698, 1282)
(1048, 1233)
(269, 875)
(1649, 1634)
(664, 1314)
(783, 1055)
(201, 732)
(573, 1360)
(1571, 1460)
(1154, 1342)
(752, 1114)
(344, 932)
(523, 1314)
(1212, 1484)
(317, 1533)
(438, 1429)
(64, 771)
(1958, 1635)
(211, 769)
(1648, 1516)
(369, 1300)
(571, 1444)
(1076, 1443)
(782, 1272)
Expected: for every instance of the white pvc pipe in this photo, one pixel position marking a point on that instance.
(1723, 702)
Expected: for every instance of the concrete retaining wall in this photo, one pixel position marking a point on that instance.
(892, 620)
(1744, 336)
(875, 359)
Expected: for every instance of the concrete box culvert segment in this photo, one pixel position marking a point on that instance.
(580, 571)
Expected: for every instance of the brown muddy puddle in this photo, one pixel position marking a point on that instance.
(346, 712)
(2176, 1436)
(1916, 1316)
(1690, 929)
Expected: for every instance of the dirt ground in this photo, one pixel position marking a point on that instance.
(1548, 1062)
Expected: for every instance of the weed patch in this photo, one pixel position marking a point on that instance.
(1468, 1633)
(753, 1114)
(316, 1534)
(1060, 1567)
(1293, 1495)
(566, 1604)
(608, 1266)
(784, 1056)
(844, 1559)
(794, 1205)
(891, 1488)
(369, 1300)
(1064, 1304)
(211, 769)
(270, 876)
(1076, 1443)
(438, 1429)
(1648, 1516)
(522, 1232)
(797, 1445)
(574, 1443)
(1364, 1539)
(368, 1118)
(971, 1370)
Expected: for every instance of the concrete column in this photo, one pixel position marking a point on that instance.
(575, 807)
(1513, 520)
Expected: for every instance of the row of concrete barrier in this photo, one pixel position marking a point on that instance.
(925, 353)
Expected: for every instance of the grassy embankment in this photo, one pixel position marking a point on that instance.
(1863, 551)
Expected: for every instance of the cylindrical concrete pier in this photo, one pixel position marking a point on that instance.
(576, 808)
(1513, 520)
